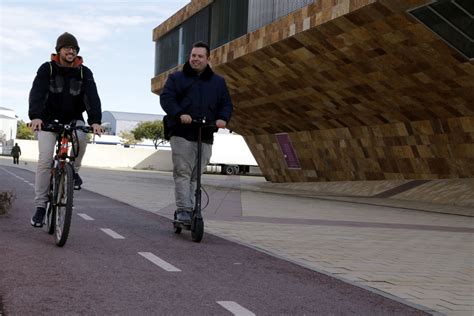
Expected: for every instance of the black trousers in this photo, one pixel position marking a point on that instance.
(16, 160)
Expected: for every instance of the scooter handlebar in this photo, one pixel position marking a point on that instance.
(203, 122)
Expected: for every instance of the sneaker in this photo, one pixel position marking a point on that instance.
(190, 214)
(38, 218)
(183, 216)
(77, 181)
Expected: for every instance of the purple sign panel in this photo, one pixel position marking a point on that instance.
(288, 151)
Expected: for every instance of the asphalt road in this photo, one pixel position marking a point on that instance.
(126, 261)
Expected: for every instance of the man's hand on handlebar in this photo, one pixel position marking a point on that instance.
(96, 129)
(221, 123)
(36, 125)
(185, 119)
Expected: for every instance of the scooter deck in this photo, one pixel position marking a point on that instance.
(185, 225)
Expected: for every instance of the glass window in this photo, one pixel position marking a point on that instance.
(284, 7)
(167, 51)
(194, 30)
(260, 13)
(263, 12)
(452, 21)
(467, 5)
(228, 21)
(456, 16)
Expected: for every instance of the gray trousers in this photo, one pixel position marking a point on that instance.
(184, 156)
(46, 148)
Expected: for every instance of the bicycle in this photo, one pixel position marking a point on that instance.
(61, 190)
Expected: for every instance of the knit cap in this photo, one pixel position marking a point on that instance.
(66, 39)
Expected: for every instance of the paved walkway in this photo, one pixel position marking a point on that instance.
(373, 234)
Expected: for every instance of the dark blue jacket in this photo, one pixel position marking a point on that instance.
(64, 93)
(200, 96)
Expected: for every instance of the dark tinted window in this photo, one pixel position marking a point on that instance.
(452, 21)
(228, 21)
(467, 5)
(263, 12)
(455, 15)
(167, 51)
(194, 30)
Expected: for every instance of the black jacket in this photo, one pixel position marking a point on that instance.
(64, 93)
(16, 151)
(199, 96)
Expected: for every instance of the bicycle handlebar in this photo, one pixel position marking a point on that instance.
(58, 128)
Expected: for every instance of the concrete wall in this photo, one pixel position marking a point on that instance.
(110, 156)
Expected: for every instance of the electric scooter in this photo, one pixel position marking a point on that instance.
(197, 223)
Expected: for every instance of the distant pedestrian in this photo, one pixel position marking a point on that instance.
(16, 153)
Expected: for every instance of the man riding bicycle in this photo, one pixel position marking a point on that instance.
(62, 90)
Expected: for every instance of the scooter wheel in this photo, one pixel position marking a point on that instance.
(177, 230)
(198, 231)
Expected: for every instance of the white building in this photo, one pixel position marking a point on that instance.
(116, 122)
(8, 122)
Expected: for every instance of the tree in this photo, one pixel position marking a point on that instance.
(148, 130)
(23, 131)
(127, 137)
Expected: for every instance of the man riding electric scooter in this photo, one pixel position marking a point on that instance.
(196, 93)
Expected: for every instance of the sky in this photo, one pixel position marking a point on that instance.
(115, 40)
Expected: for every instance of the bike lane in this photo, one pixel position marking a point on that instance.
(123, 260)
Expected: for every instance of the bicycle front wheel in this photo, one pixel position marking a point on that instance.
(64, 205)
(50, 206)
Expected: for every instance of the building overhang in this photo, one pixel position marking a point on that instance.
(363, 89)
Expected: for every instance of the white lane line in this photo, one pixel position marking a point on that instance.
(111, 233)
(18, 177)
(235, 308)
(159, 262)
(85, 216)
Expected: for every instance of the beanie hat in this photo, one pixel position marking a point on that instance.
(66, 39)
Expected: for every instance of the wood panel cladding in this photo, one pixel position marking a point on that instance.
(364, 91)
(427, 149)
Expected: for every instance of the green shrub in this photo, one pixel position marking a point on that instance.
(6, 200)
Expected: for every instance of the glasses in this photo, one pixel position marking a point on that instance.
(74, 49)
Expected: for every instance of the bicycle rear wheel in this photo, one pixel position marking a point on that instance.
(64, 205)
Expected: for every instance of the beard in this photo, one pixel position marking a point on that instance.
(68, 58)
